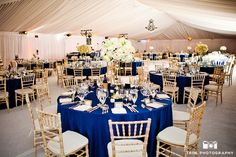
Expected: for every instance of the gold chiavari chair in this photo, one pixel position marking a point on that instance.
(69, 82)
(215, 90)
(95, 74)
(217, 71)
(78, 75)
(174, 137)
(27, 82)
(37, 141)
(128, 68)
(4, 93)
(180, 118)
(57, 143)
(197, 82)
(126, 138)
(170, 86)
(43, 94)
(171, 89)
(229, 74)
(60, 73)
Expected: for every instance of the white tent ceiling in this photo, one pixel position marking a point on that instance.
(175, 19)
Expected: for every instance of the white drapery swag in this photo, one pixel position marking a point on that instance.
(50, 46)
(175, 19)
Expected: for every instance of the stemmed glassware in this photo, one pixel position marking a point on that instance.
(145, 92)
(134, 95)
(153, 92)
(102, 95)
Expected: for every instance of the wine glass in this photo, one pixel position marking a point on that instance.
(102, 95)
(145, 92)
(134, 95)
(81, 93)
(153, 92)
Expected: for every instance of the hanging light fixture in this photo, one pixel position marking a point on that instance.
(151, 26)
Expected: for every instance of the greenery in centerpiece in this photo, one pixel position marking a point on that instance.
(201, 49)
(118, 50)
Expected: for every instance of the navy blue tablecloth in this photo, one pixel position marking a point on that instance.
(182, 81)
(135, 66)
(95, 125)
(11, 86)
(209, 69)
(33, 65)
(86, 71)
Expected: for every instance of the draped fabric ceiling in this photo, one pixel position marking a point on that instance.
(175, 19)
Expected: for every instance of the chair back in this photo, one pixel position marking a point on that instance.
(195, 122)
(218, 70)
(27, 80)
(60, 70)
(220, 80)
(193, 96)
(42, 94)
(3, 85)
(169, 77)
(129, 130)
(95, 71)
(170, 84)
(69, 82)
(78, 72)
(128, 65)
(50, 125)
(197, 81)
(30, 111)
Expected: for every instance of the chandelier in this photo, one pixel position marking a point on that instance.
(151, 26)
(88, 34)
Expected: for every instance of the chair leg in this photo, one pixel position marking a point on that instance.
(221, 97)
(22, 100)
(158, 148)
(217, 99)
(16, 99)
(7, 104)
(35, 146)
(87, 151)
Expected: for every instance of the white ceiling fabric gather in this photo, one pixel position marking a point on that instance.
(175, 19)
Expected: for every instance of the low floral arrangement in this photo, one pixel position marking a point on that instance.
(84, 49)
(201, 49)
(117, 49)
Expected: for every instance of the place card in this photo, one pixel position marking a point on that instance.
(117, 110)
(65, 100)
(118, 104)
(162, 96)
(155, 104)
(88, 102)
(82, 107)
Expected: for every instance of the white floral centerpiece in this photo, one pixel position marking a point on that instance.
(117, 49)
(215, 58)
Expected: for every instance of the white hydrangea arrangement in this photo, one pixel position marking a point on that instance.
(215, 58)
(117, 49)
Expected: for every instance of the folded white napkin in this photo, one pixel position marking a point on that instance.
(64, 100)
(82, 107)
(67, 93)
(163, 96)
(118, 110)
(155, 104)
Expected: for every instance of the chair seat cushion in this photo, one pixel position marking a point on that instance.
(72, 142)
(3, 94)
(24, 91)
(80, 77)
(211, 87)
(126, 148)
(189, 88)
(177, 136)
(212, 82)
(180, 115)
(170, 89)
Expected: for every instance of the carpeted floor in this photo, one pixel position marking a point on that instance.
(219, 124)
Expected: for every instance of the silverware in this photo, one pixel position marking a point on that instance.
(144, 106)
(92, 109)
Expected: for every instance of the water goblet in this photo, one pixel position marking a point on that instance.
(134, 95)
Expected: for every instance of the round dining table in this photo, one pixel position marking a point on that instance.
(182, 81)
(12, 84)
(94, 125)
